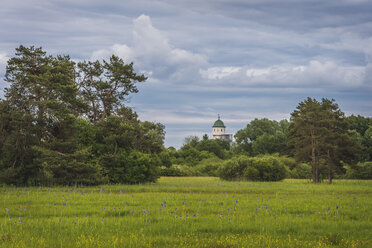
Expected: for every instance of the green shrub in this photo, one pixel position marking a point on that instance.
(301, 171)
(208, 167)
(251, 173)
(233, 169)
(265, 168)
(172, 171)
(177, 170)
(359, 171)
(131, 167)
(269, 167)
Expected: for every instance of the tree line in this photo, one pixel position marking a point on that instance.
(319, 143)
(65, 122)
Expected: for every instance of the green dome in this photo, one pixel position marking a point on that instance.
(218, 123)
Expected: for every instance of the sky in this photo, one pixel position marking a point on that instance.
(242, 59)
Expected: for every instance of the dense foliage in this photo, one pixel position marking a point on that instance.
(65, 123)
(262, 168)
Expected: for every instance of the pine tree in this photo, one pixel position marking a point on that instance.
(105, 86)
(318, 133)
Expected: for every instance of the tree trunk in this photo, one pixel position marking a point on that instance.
(329, 167)
(313, 158)
(313, 164)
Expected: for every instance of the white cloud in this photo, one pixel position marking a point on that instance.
(122, 51)
(219, 72)
(3, 61)
(326, 74)
(151, 51)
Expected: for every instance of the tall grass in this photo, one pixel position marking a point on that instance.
(189, 212)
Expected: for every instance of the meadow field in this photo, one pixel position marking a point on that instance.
(189, 212)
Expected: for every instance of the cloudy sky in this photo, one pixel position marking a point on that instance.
(242, 59)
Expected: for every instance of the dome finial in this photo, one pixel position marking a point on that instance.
(218, 116)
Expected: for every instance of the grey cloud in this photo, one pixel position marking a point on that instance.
(291, 14)
(240, 58)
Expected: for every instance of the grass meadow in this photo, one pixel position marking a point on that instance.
(189, 212)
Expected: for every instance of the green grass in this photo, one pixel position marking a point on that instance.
(189, 212)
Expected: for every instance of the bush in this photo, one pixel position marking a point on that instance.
(359, 171)
(233, 169)
(269, 168)
(251, 173)
(301, 171)
(177, 170)
(131, 167)
(208, 167)
(172, 171)
(265, 168)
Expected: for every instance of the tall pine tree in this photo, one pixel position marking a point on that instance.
(318, 134)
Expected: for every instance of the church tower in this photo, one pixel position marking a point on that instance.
(219, 131)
